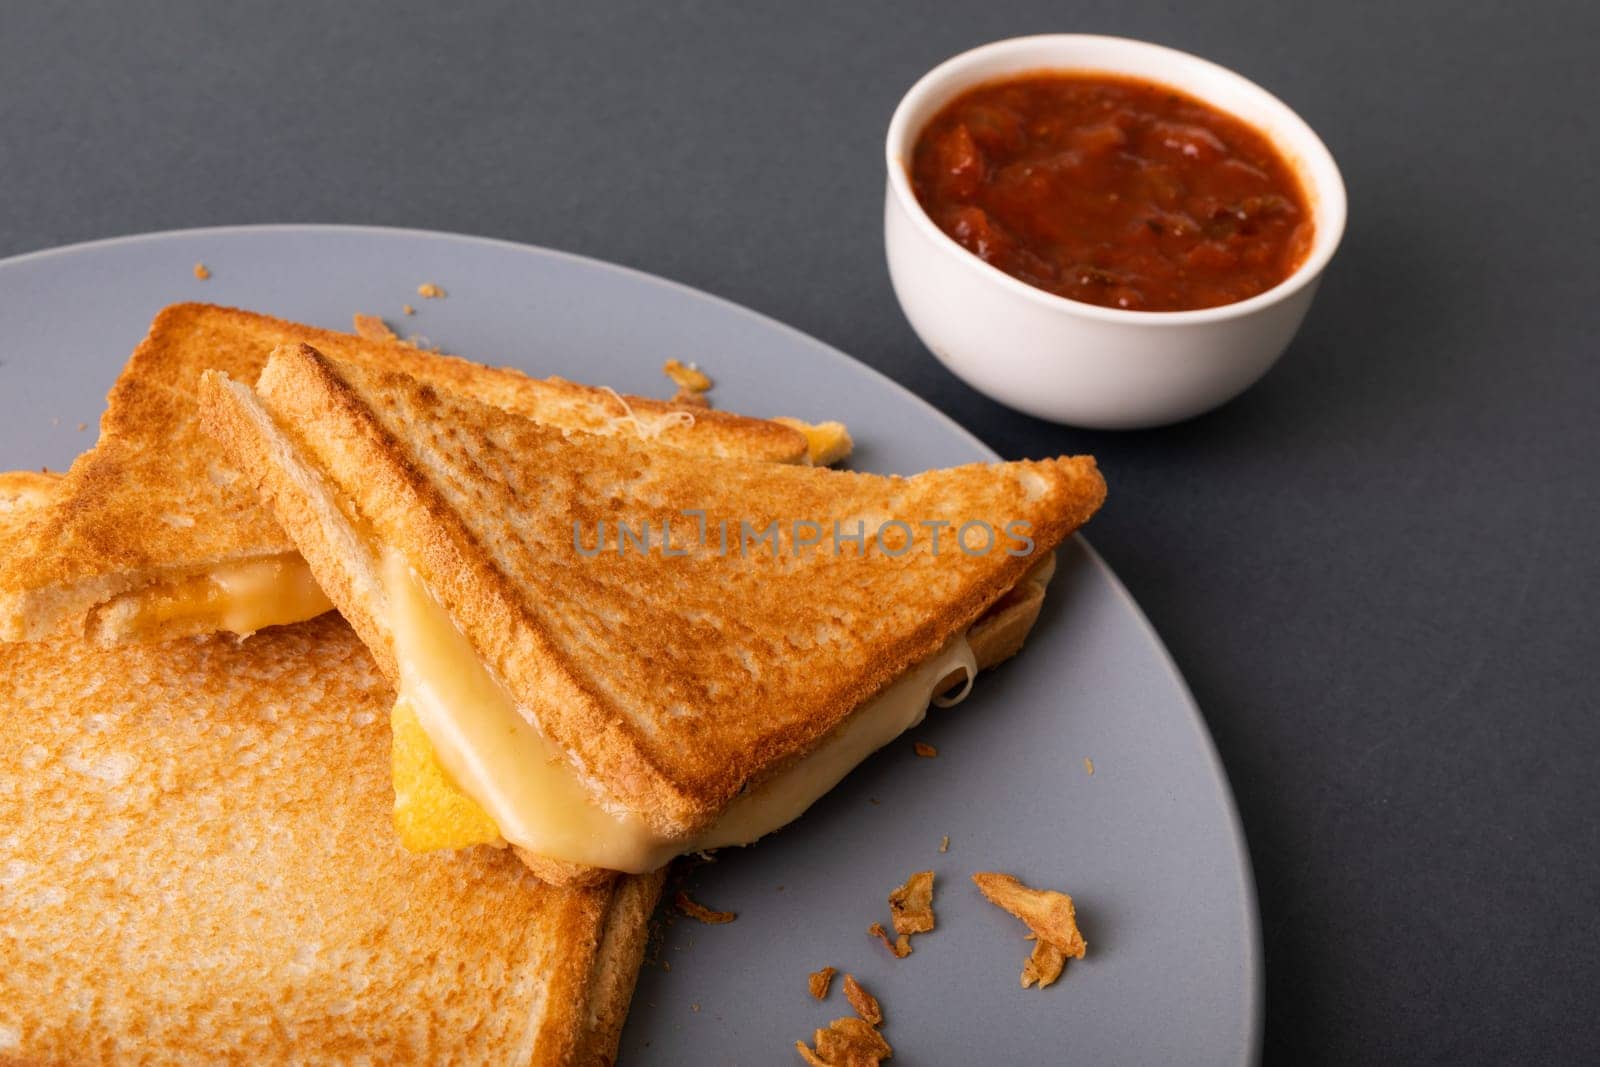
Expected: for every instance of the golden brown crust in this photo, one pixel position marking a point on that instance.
(180, 878)
(561, 872)
(152, 501)
(646, 671)
(616, 968)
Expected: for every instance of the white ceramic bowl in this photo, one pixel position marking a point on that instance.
(1081, 363)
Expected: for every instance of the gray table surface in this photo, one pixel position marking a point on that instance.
(1376, 568)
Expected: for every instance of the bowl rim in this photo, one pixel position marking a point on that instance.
(954, 75)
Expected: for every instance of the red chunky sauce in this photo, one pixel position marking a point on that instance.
(1112, 191)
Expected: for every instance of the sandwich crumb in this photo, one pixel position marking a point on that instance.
(944, 843)
(429, 291)
(695, 910)
(911, 905)
(1044, 966)
(847, 1042)
(817, 982)
(925, 750)
(900, 946)
(201, 271)
(1088, 765)
(373, 328)
(695, 1008)
(82, 426)
(1050, 916)
(408, 309)
(865, 1004)
(692, 382)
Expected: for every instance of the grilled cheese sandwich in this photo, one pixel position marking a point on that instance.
(674, 694)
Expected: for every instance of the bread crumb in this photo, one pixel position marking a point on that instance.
(687, 377)
(408, 309)
(429, 291)
(201, 271)
(373, 328)
(692, 383)
(911, 905)
(82, 426)
(1050, 916)
(1088, 765)
(900, 946)
(944, 843)
(1044, 966)
(695, 910)
(695, 1008)
(865, 1004)
(819, 981)
(925, 750)
(847, 1042)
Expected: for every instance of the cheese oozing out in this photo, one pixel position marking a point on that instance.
(240, 597)
(536, 797)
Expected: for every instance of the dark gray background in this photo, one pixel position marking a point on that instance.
(1377, 568)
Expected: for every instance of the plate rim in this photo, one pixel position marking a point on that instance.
(1245, 872)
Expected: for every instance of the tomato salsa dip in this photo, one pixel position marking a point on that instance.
(1113, 191)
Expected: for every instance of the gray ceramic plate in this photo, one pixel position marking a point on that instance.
(1149, 845)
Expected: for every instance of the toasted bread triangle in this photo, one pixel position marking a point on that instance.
(153, 501)
(181, 883)
(671, 682)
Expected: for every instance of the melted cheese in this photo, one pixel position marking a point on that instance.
(240, 597)
(536, 798)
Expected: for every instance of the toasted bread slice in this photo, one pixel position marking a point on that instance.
(152, 531)
(643, 674)
(178, 883)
